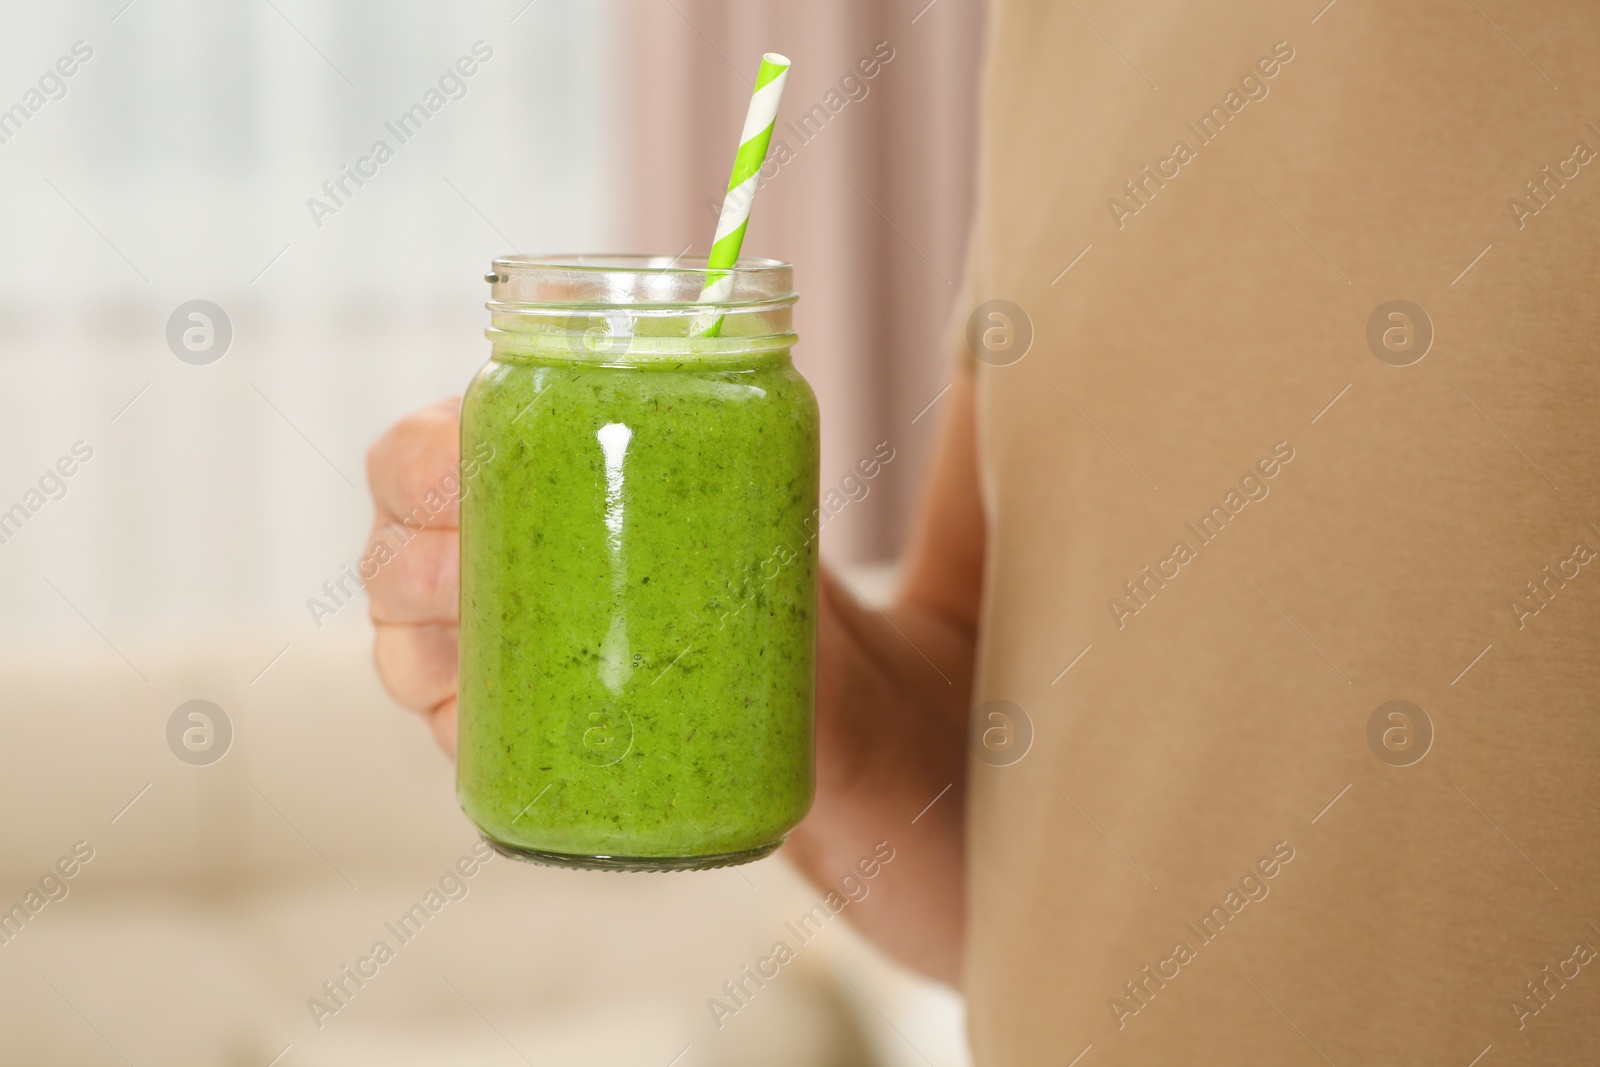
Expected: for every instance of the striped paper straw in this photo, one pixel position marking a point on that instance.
(742, 184)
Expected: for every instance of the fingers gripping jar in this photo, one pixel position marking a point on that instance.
(638, 567)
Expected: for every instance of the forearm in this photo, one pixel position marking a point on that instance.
(893, 689)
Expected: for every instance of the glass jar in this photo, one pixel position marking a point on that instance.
(638, 566)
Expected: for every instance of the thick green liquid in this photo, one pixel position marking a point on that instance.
(638, 605)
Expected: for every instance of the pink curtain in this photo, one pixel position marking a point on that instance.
(870, 201)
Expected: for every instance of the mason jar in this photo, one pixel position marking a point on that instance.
(638, 566)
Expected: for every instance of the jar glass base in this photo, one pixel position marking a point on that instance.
(632, 863)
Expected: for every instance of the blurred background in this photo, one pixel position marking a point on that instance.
(176, 163)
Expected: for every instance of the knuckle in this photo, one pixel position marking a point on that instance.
(419, 570)
(409, 456)
(416, 664)
(418, 582)
(385, 645)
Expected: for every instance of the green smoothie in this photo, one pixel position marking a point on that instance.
(638, 602)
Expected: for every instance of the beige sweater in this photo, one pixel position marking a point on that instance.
(1262, 500)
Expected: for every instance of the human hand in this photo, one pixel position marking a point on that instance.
(414, 474)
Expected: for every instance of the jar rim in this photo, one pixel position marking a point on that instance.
(635, 281)
(641, 262)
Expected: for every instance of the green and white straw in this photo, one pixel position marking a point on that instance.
(742, 185)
